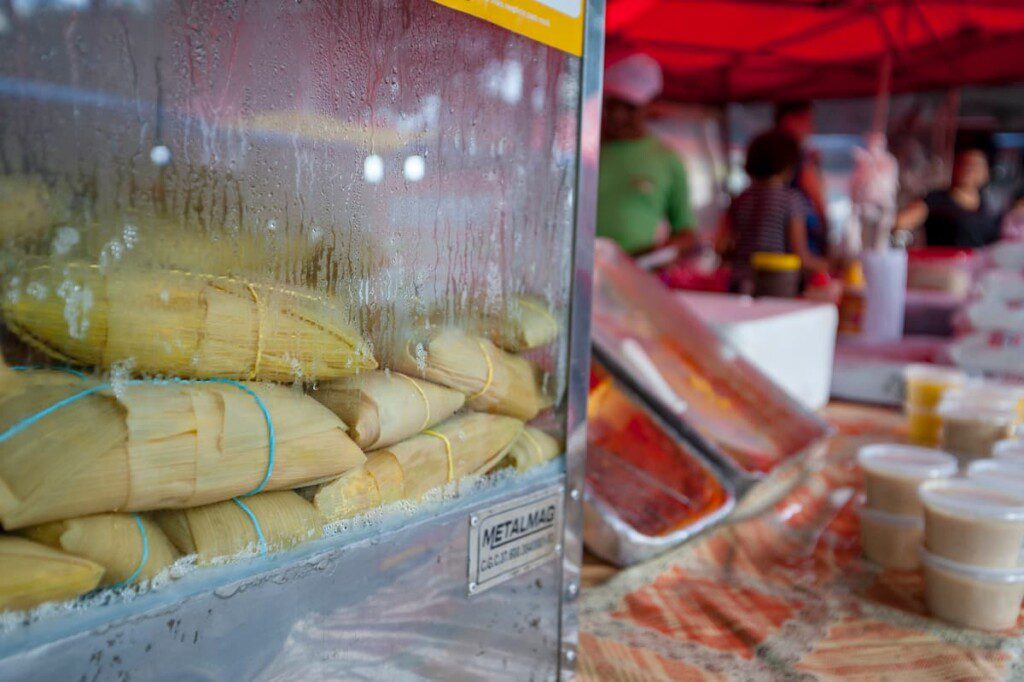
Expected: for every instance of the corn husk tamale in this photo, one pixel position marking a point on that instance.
(151, 445)
(113, 541)
(382, 408)
(31, 574)
(224, 529)
(409, 469)
(494, 381)
(24, 207)
(183, 324)
(527, 323)
(533, 447)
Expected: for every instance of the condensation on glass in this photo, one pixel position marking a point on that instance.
(408, 165)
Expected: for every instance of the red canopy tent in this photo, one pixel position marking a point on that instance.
(717, 51)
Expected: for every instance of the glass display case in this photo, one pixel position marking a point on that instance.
(294, 312)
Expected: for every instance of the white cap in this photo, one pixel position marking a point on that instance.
(636, 79)
(1006, 475)
(972, 499)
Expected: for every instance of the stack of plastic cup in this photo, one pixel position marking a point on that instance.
(977, 415)
(891, 522)
(971, 554)
(925, 386)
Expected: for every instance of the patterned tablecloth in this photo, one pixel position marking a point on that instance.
(785, 596)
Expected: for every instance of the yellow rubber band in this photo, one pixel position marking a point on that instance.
(490, 371)
(426, 403)
(259, 333)
(447, 451)
(539, 308)
(529, 437)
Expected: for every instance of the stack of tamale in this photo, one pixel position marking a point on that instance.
(468, 444)
(532, 448)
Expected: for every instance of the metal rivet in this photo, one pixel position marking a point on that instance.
(472, 587)
(575, 493)
(558, 549)
(474, 520)
(573, 589)
(570, 655)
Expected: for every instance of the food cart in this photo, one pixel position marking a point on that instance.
(212, 216)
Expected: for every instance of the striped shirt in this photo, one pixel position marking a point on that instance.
(760, 219)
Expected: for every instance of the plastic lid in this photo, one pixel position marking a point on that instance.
(908, 461)
(972, 499)
(926, 372)
(988, 575)
(889, 519)
(1009, 449)
(1003, 474)
(988, 391)
(957, 405)
(776, 262)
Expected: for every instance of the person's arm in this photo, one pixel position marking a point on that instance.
(813, 185)
(798, 243)
(912, 216)
(679, 210)
(724, 238)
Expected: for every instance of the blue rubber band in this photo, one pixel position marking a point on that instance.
(255, 524)
(145, 555)
(271, 435)
(20, 426)
(66, 370)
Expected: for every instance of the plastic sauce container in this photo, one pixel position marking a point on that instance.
(972, 427)
(776, 274)
(972, 523)
(892, 474)
(987, 599)
(924, 426)
(925, 384)
(1010, 450)
(1003, 474)
(891, 540)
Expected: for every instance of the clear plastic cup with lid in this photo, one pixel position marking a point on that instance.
(1010, 450)
(983, 598)
(973, 523)
(924, 426)
(893, 472)
(925, 384)
(1004, 474)
(973, 423)
(891, 540)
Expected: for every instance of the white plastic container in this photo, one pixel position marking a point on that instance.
(972, 523)
(1003, 474)
(891, 540)
(975, 419)
(1011, 450)
(885, 294)
(987, 599)
(892, 474)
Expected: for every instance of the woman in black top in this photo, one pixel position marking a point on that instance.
(958, 216)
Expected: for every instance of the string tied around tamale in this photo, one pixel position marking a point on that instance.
(423, 395)
(447, 451)
(259, 332)
(143, 560)
(32, 419)
(55, 368)
(490, 371)
(255, 524)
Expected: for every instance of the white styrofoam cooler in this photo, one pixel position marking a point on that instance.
(792, 341)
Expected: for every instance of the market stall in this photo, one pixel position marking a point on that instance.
(294, 316)
(873, 559)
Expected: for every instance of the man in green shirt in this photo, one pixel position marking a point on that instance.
(643, 199)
